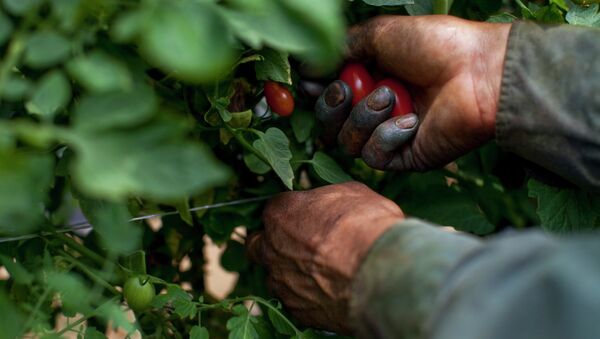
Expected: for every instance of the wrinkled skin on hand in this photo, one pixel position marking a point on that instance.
(313, 244)
(453, 68)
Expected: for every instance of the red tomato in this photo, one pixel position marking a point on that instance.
(404, 103)
(360, 81)
(279, 98)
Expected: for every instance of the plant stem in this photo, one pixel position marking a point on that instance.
(97, 279)
(81, 320)
(36, 309)
(441, 6)
(245, 144)
(86, 252)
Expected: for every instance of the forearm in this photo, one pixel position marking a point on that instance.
(420, 281)
(549, 111)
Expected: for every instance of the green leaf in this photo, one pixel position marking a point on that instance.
(234, 257)
(115, 109)
(502, 18)
(198, 332)
(565, 210)
(291, 26)
(280, 324)
(275, 147)
(584, 16)
(274, 66)
(99, 72)
(238, 120)
(421, 7)
(45, 49)
(136, 262)
(113, 313)
(111, 223)
(20, 7)
(6, 28)
(25, 179)
(17, 272)
(156, 163)
(388, 2)
(188, 40)
(183, 207)
(51, 94)
(74, 293)
(241, 326)
(302, 124)
(93, 333)
(67, 13)
(328, 169)
(11, 321)
(16, 88)
(256, 165)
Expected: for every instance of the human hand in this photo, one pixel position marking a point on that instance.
(454, 70)
(313, 244)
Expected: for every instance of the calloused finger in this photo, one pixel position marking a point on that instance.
(364, 118)
(332, 109)
(387, 139)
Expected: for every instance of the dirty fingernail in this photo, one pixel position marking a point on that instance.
(334, 94)
(380, 99)
(408, 121)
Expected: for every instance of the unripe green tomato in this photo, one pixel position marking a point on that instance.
(138, 295)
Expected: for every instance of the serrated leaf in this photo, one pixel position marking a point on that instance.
(99, 72)
(115, 109)
(51, 94)
(241, 326)
(111, 223)
(274, 66)
(198, 332)
(188, 40)
(275, 147)
(565, 210)
(328, 169)
(46, 48)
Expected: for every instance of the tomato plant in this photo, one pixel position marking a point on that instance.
(112, 110)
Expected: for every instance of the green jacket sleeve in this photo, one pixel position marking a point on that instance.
(420, 281)
(549, 109)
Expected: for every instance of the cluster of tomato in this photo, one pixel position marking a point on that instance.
(355, 75)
